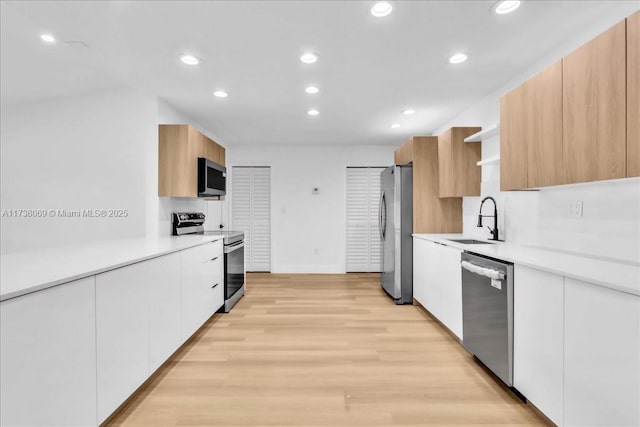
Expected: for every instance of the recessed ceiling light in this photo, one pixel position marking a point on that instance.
(506, 6)
(381, 8)
(408, 112)
(189, 59)
(309, 58)
(220, 94)
(395, 125)
(47, 38)
(458, 58)
(313, 112)
(312, 89)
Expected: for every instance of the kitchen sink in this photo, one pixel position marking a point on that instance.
(471, 241)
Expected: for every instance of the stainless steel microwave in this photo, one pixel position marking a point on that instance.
(212, 179)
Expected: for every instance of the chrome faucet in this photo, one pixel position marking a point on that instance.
(494, 231)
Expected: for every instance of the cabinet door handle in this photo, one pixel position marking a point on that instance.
(213, 259)
(215, 285)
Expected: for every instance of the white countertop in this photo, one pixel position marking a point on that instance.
(25, 272)
(621, 276)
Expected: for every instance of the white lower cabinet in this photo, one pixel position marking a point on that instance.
(163, 277)
(202, 292)
(538, 339)
(48, 357)
(420, 257)
(122, 327)
(437, 282)
(601, 356)
(450, 283)
(138, 326)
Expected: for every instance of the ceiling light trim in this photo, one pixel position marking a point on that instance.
(47, 38)
(380, 9)
(458, 58)
(504, 7)
(309, 57)
(188, 59)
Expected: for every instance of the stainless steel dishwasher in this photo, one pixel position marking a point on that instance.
(487, 312)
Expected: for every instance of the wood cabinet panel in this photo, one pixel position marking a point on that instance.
(404, 153)
(594, 108)
(213, 151)
(542, 128)
(179, 146)
(633, 95)
(513, 140)
(431, 214)
(458, 172)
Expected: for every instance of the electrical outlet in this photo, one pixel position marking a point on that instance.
(575, 209)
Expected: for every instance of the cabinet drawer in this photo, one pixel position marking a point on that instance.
(207, 252)
(213, 271)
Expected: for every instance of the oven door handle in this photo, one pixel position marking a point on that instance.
(233, 247)
(483, 271)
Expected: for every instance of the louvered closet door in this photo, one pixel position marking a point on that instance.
(364, 248)
(251, 212)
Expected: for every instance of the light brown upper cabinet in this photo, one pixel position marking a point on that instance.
(594, 108)
(179, 147)
(513, 141)
(633, 95)
(213, 151)
(531, 132)
(544, 128)
(404, 154)
(431, 214)
(458, 172)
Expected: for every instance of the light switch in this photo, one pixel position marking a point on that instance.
(315, 190)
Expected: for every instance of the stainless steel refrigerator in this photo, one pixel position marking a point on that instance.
(396, 225)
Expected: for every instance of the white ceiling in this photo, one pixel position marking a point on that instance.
(369, 69)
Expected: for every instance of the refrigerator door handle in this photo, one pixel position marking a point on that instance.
(382, 216)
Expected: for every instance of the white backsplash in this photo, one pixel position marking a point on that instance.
(609, 226)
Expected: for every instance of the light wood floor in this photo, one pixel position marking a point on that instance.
(322, 350)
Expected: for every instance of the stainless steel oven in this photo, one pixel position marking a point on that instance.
(234, 275)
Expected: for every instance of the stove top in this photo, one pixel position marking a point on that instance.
(193, 223)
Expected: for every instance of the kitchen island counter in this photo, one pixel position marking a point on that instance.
(22, 273)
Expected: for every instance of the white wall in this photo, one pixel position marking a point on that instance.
(95, 151)
(73, 153)
(610, 226)
(308, 231)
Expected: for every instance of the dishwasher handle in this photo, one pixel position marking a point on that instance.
(482, 271)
